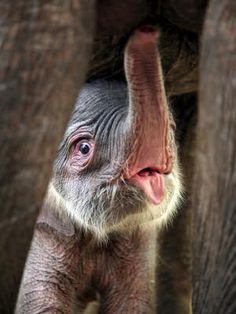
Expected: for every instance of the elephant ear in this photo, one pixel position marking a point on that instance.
(52, 219)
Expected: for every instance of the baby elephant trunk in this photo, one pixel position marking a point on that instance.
(148, 116)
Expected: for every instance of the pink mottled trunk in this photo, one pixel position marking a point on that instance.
(148, 111)
(148, 116)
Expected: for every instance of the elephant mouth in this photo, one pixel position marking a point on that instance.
(152, 182)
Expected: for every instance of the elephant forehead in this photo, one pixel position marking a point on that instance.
(102, 95)
(100, 108)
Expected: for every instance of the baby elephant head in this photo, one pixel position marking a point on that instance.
(117, 164)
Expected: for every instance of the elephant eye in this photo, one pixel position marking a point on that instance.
(81, 153)
(84, 148)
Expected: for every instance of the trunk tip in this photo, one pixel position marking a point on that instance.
(147, 29)
(147, 32)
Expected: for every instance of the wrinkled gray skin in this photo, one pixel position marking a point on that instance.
(95, 237)
(89, 193)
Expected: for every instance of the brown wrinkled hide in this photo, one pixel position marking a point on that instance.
(64, 273)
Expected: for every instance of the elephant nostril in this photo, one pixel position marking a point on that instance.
(147, 29)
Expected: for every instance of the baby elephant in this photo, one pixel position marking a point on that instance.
(115, 179)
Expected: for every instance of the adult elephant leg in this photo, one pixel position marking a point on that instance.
(44, 52)
(214, 182)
